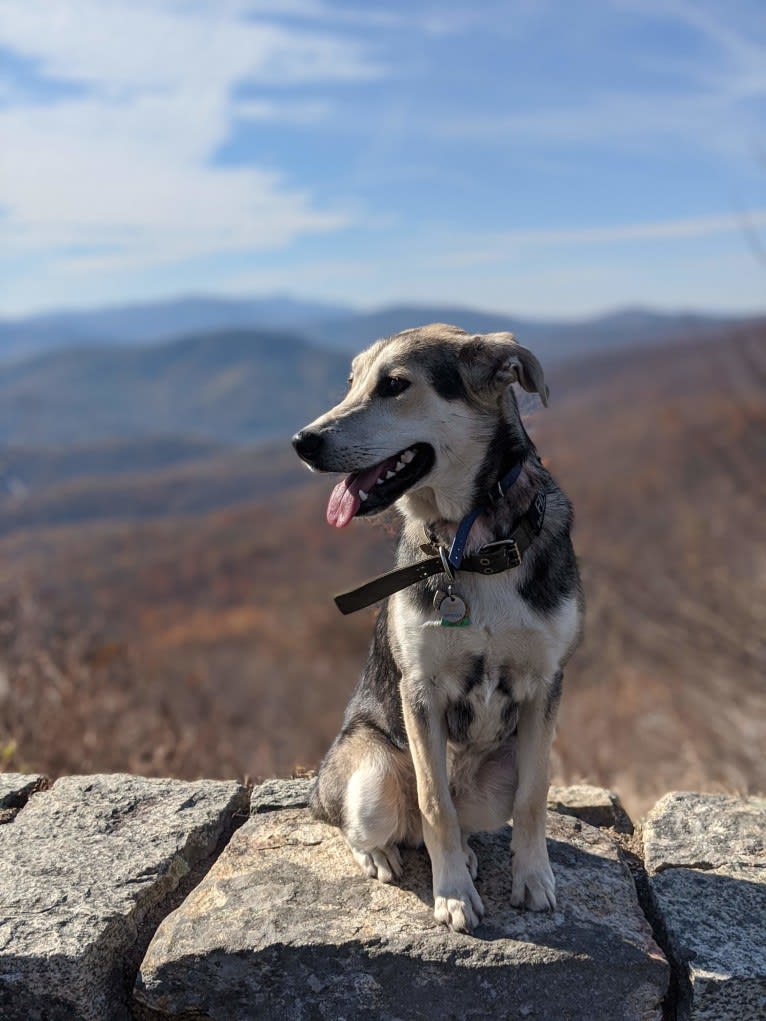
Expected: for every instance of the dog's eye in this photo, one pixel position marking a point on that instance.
(390, 386)
(350, 381)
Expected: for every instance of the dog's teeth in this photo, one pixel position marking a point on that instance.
(362, 494)
(380, 481)
(390, 474)
(407, 456)
(399, 465)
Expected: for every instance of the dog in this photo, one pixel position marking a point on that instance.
(449, 729)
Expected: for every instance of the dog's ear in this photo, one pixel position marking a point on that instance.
(491, 363)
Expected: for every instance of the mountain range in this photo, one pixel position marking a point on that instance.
(233, 386)
(150, 322)
(237, 383)
(338, 327)
(550, 339)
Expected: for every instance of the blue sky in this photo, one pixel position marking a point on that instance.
(537, 158)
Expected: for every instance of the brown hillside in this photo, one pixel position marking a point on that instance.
(210, 645)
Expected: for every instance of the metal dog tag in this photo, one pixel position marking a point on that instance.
(453, 611)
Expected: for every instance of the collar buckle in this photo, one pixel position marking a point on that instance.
(511, 548)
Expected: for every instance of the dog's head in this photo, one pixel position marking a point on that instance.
(421, 411)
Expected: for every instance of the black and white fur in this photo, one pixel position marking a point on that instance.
(449, 730)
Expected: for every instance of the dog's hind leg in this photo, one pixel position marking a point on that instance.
(372, 819)
(366, 787)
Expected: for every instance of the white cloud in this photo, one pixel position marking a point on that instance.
(737, 69)
(309, 111)
(706, 120)
(127, 162)
(712, 105)
(144, 45)
(534, 284)
(495, 247)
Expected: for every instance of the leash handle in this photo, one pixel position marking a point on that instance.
(380, 588)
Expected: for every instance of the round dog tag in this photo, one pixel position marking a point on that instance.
(452, 610)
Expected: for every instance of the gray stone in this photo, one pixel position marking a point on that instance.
(594, 805)
(15, 791)
(285, 926)
(87, 869)
(274, 794)
(707, 866)
(705, 831)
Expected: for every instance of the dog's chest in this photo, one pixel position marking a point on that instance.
(480, 709)
(511, 638)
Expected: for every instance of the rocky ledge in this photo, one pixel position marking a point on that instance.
(123, 897)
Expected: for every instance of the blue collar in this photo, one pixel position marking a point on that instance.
(457, 549)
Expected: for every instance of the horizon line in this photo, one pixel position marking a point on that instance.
(349, 308)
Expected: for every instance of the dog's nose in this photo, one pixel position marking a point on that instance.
(307, 444)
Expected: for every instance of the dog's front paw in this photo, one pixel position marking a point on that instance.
(384, 863)
(458, 905)
(533, 884)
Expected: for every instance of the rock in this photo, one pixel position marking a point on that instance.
(705, 831)
(87, 869)
(706, 859)
(594, 805)
(16, 789)
(274, 794)
(285, 926)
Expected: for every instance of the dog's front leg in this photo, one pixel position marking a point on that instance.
(456, 902)
(533, 883)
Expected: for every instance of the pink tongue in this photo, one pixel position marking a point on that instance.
(344, 499)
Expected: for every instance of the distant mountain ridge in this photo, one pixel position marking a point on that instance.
(339, 327)
(549, 339)
(246, 385)
(232, 386)
(151, 322)
(146, 474)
